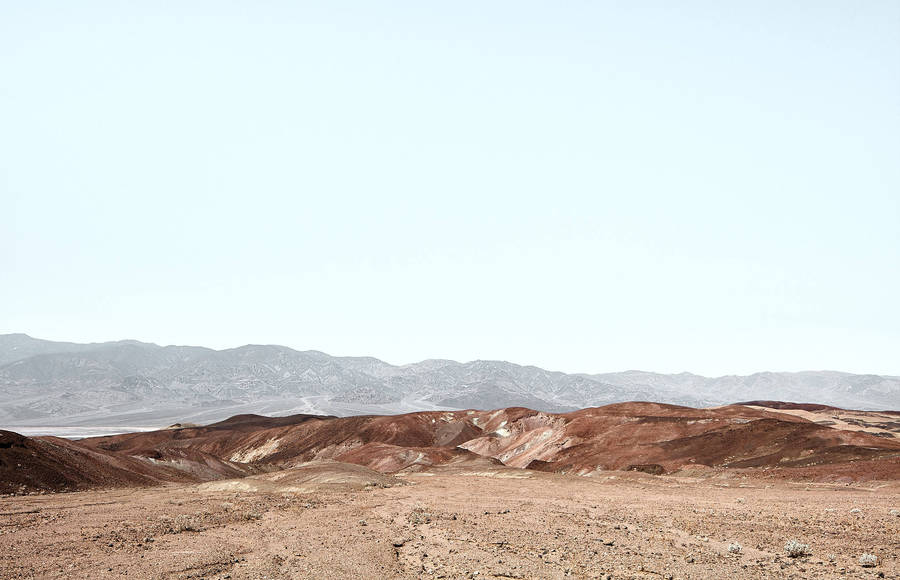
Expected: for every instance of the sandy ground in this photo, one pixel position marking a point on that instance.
(465, 524)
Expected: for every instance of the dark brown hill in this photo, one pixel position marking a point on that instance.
(53, 464)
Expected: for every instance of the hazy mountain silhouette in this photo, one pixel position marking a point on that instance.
(134, 383)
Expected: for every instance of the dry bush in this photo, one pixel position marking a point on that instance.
(796, 549)
(868, 560)
(185, 523)
(419, 516)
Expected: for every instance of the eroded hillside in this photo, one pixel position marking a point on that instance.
(649, 437)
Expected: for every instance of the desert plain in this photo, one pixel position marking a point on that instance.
(456, 523)
(649, 491)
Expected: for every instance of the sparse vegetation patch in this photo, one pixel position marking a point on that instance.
(796, 549)
(868, 560)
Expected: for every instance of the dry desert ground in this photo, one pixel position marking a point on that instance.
(470, 522)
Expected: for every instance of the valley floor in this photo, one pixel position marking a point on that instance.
(500, 523)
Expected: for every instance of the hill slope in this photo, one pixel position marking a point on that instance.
(51, 464)
(648, 437)
(614, 437)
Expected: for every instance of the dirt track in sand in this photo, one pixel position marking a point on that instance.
(498, 522)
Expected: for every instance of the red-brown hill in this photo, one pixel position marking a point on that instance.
(787, 405)
(53, 464)
(649, 436)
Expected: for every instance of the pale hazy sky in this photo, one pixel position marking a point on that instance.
(584, 186)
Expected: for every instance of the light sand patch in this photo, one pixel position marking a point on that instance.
(864, 421)
(251, 454)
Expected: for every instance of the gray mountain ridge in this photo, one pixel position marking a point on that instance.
(132, 383)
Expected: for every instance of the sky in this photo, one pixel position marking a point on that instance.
(583, 186)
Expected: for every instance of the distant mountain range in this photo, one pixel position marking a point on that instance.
(130, 383)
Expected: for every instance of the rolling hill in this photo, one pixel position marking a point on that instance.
(649, 437)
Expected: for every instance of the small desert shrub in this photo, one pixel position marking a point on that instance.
(868, 560)
(251, 516)
(419, 516)
(796, 549)
(734, 548)
(185, 523)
